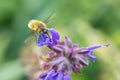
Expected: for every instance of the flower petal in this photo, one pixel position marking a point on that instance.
(43, 76)
(68, 42)
(94, 46)
(55, 35)
(67, 77)
(91, 48)
(43, 39)
(60, 76)
(91, 56)
(49, 75)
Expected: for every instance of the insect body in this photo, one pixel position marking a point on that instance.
(37, 26)
(43, 35)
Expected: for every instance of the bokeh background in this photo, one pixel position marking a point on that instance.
(86, 22)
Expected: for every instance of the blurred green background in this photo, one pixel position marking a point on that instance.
(86, 22)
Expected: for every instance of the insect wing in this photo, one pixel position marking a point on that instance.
(51, 16)
(29, 38)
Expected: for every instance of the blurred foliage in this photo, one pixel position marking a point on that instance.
(86, 22)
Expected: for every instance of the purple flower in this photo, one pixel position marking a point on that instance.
(68, 57)
(53, 75)
(45, 39)
(93, 47)
(55, 35)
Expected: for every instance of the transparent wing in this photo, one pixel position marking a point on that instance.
(51, 16)
(33, 35)
(29, 38)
